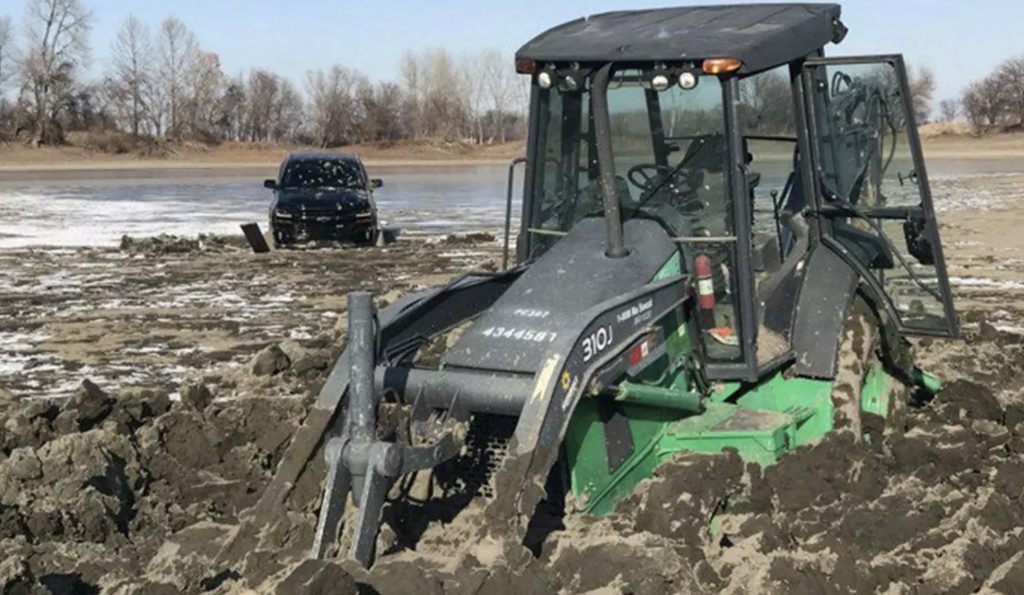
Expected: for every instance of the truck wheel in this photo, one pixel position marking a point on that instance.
(281, 239)
(369, 237)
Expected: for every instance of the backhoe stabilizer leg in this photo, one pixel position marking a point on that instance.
(358, 463)
(349, 456)
(380, 472)
(336, 489)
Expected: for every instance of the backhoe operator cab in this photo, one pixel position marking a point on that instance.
(786, 180)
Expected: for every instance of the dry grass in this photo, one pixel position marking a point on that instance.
(947, 139)
(937, 129)
(123, 150)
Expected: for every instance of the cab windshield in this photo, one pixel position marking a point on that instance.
(669, 151)
(671, 164)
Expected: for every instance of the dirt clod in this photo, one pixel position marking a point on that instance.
(88, 406)
(270, 361)
(318, 577)
(196, 395)
(469, 239)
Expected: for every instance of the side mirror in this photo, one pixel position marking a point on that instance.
(271, 184)
(376, 183)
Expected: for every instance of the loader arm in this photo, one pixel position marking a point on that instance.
(410, 319)
(560, 384)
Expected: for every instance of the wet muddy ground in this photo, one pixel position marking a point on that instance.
(153, 314)
(201, 360)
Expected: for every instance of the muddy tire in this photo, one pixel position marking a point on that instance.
(368, 238)
(281, 238)
(897, 421)
(857, 354)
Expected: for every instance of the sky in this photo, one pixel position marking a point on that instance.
(961, 40)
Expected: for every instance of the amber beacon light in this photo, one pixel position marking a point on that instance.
(721, 65)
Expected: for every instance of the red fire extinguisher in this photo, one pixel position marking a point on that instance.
(705, 291)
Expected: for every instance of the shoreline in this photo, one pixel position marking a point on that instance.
(23, 164)
(185, 170)
(941, 163)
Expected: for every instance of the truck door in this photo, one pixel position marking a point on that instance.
(873, 198)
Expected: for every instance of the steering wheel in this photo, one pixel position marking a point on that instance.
(647, 176)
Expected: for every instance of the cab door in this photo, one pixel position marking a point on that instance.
(873, 198)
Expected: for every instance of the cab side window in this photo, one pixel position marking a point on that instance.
(768, 124)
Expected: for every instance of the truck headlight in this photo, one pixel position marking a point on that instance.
(282, 214)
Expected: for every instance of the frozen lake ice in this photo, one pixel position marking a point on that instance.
(435, 199)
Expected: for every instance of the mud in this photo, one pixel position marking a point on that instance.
(91, 486)
(161, 312)
(143, 410)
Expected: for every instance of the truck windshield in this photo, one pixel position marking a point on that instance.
(671, 165)
(323, 173)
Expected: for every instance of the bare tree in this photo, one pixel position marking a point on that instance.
(445, 110)
(983, 104)
(56, 32)
(520, 106)
(413, 102)
(287, 112)
(132, 66)
(436, 94)
(156, 99)
(472, 68)
(922, 87)
(261, 90)
(231, 110)
(204, 84)
(7, 57)
(382, 111)
(1011, 79)
(8, 116)
(335, 113)
(177, 54)
(949, 109)
(500, 80)
(274, 109)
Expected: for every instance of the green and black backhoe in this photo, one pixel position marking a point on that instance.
(725, 237)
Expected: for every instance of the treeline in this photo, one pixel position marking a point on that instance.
(162, 84)
(993, 104)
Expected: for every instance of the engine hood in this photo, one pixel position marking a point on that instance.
(342, 199)
(516, 333)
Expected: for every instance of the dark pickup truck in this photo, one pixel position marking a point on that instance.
(323, 196)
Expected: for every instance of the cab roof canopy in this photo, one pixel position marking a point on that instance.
(761, 35)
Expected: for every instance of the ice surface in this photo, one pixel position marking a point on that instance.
(99, 213)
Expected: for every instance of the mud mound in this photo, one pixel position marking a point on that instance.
(936, 504)
(469, 239)
(172, 244)
(134, 493)
(91, 487)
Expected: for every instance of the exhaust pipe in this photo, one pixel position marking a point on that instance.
(606, 162)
